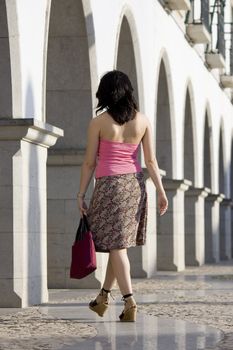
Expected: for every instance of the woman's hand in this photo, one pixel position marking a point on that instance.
(162, 203)
(82, 206)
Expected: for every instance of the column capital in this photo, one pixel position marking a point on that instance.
(175, 184)
(198, 191)
(30, 130)
(212, 197)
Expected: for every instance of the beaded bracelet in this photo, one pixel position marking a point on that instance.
(81, 195)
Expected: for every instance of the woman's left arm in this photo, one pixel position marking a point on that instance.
(89, 162)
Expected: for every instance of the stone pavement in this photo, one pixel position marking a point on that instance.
(187, 310)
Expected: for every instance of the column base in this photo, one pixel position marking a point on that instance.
(194, 226)
(9, 298)
(212, 227)
(225, 229)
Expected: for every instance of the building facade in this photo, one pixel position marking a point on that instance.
(178, 55)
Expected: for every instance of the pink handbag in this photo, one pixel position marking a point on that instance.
(83, 260)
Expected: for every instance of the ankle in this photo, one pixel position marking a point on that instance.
(127, 295)
(129, 299)
(103, 294)
(106, 290)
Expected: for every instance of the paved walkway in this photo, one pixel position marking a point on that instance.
(189, 310)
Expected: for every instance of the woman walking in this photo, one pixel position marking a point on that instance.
(117, 213)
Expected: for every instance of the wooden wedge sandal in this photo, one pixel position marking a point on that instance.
(130, 311)
(100, 304)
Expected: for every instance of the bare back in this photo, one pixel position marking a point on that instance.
(131, 132)
(135, 131)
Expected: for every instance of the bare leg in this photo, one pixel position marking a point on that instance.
(121, 269)
(109, 276)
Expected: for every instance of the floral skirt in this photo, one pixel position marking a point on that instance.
(117, 213)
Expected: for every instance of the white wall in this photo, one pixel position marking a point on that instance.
(157, 31)
(154, 32)
(31, 26)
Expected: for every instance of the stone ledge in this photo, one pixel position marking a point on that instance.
(178, 4)
(175, 184)
(215, 60)
(227, 81)
(198, 191)
(198, 33)
(212, 197)
(29, 129)
(68, 156)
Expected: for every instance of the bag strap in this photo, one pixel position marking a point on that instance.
(86, 224)
(83, 227)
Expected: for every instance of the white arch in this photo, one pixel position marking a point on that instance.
(208, 115)
(223, 134)
(128, 14)
(14, 43)
(188, 88)
(163, 56)
(90, 30)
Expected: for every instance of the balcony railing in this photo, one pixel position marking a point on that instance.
(217, 27)
(197, 22)
(227, 77)
(199, 13)
(205, 13)
(215, 51)
(229, 47)
(221, 39)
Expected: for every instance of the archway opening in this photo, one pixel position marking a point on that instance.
(69, 106)
(232, 197)
(207, 155)
(163, 148)
(126, 55)
(221, 177)
(189, 171)
(207, 164)
(221, 164)
(126, 63)
(191, 200)
(5, 66)
(68, 92)
(163, 124)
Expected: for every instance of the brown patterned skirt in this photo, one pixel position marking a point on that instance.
(117, 213)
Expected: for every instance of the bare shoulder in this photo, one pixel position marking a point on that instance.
(95, 121)
(143, 119)
(100, 118)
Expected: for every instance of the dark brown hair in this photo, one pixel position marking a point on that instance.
(115, 93)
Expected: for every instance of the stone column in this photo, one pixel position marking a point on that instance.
(225, 229)
(212, 227)
(143, 259)
(170, 228)
(195, 226)
(23, 210)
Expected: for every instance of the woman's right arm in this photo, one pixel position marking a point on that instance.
(152, 166)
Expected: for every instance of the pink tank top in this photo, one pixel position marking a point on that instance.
(115, 157)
